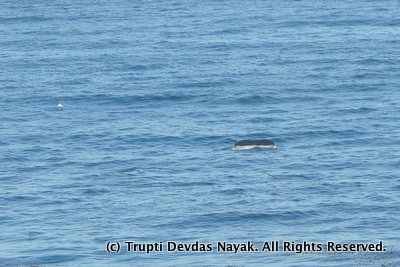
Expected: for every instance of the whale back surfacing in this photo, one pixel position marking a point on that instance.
(250, 144)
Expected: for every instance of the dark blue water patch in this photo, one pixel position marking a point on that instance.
(138, 67)
(54, 258)
(352, 111)
(264, 120)
(234, 191)
(394, 22)
(154, 180)
(348, 207)
(5, 219)
(190, 184)
(109, 99)
(226, 32)
(255, 135)
(375, 62)
(173, 6)
(21, 198)
(129, 170)
(337, 134)
(339, 22)
(37, 149)
(209, 139)
(25, 19)
(78, 81)
(389, 258)
(53, 203)
(201, 84)
(335, 188)
(191, 142)
(104, 163)
(94, 191)
(232, 218)
(223, 47)
(255, 99)
(371, 140)
(85, 137)
(396, 187)
(103, 44)
(28, 169)
(151, 139)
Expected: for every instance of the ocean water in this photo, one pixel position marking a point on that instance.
(156, 92)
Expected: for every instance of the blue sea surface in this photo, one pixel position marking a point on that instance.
(156, 92)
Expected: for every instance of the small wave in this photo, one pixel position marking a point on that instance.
(256, 99)
(190, 184)
(209, 84)
(111, 99)
(25, 19)
(321, 133)
(235, 191)
(350, 111)
(238, 217)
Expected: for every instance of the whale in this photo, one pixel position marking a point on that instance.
(250, 144)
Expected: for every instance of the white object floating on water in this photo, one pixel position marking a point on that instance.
(60, 105)
(250, 144)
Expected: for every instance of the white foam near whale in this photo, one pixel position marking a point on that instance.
(60, 105)
(250, 144)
